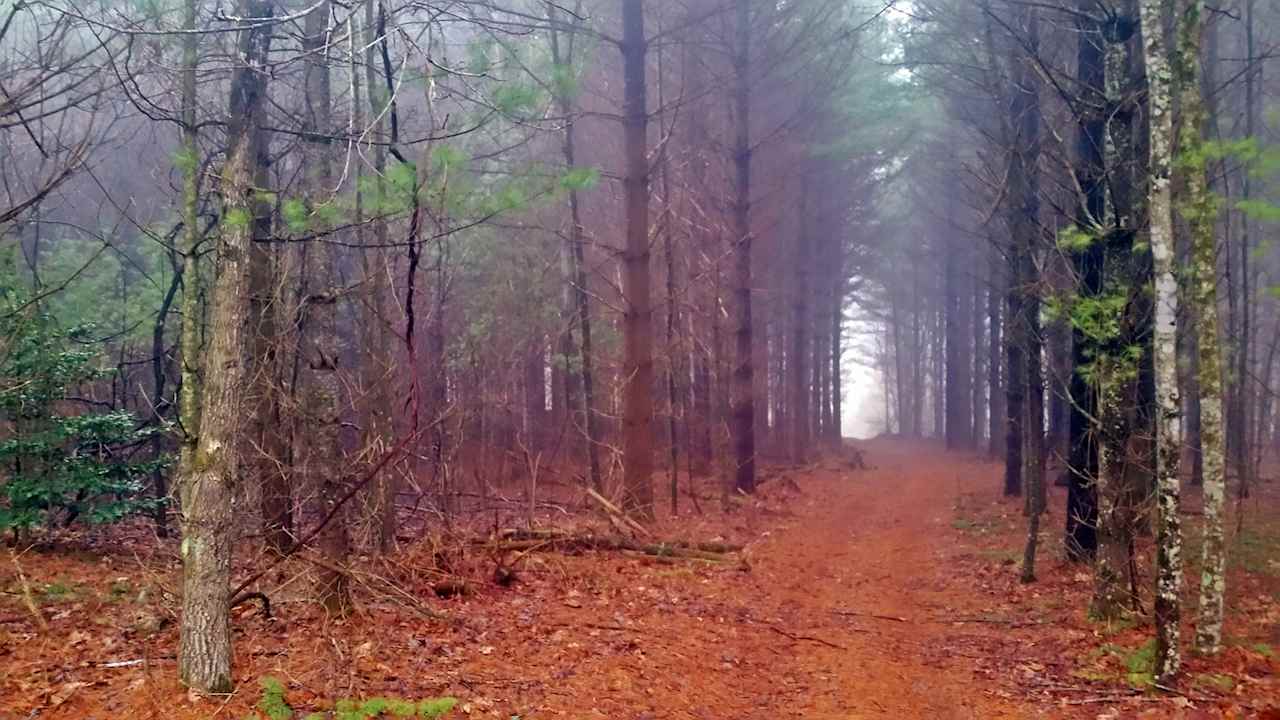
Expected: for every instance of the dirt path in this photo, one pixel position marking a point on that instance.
(796, 636)
(608, 636)
(875, 547)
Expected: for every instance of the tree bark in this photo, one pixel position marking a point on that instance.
(800, 322)
(208, 483)
(1199, 209)
(323, 387)
(958, 415)
(996, 418)
(1168, 660)
(637, 416)
(978, 395)
(1082, 462)
(744, 413)
(268, 448)
(377, 367)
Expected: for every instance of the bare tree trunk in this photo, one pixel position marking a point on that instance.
(1245, 395)
(323, 387)
(836, 431)
(1015, 342)
(1154, 14)
(637, 417)
(268, 455)
(674, 370)
(1024, 335)
(978, 395)
(958, 414)
(797, 365)
(189, 396)
(744, 413)
(374, 337)
(207, 485)
(900, 359)
(996, 418)
(576, 300)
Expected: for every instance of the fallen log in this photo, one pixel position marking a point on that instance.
(715, 547)
(589, 542)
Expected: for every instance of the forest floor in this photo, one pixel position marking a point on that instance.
(884, 593)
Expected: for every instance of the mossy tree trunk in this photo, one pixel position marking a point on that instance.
(1200, 210)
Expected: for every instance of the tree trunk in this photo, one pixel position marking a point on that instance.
(1155, 14)
(267, 449)
(377, 366)
(577, 305)
(744, 412)
(192, 313)
(1082, 462)
(996, 418)
(957, 414)
(1198, 209)
(1025, 460)
(1245, 395)
(836, 431)
(208, 481)
(978, 394)
(1123, 396)
(797, 366)
(1015, 343)
(323, 387)
(637, 417)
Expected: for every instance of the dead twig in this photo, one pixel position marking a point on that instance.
(28, 598)
(989, 621)
(805, 638)
(851, 613)
(616, 512)
(388, 588)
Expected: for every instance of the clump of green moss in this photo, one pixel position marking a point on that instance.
(274, 706)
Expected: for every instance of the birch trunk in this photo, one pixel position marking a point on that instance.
(1168, 416)
(1200, 211)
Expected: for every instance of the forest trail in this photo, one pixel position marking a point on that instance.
(605, 635)
(865, 572)
(797, 636)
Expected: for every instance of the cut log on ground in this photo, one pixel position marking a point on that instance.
(535, 541)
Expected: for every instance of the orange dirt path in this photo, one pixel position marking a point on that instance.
(796, 636)
(874, 545)
(610, 636)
